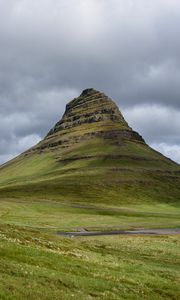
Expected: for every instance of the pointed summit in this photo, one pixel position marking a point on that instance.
(92, 106)
(97, 102)
(91, 115)
(88, 92)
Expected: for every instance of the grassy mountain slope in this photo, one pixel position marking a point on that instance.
(91, 172)
(92, 155)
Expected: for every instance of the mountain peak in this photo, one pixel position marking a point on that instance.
(90, 116)
(88, 91)
(88, 95)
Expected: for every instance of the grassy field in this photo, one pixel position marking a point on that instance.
(53, 216)
(36, 265)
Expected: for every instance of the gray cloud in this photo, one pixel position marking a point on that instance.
(171, 151)
(156, 122)
(51, 50)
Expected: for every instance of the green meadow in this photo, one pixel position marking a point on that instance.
(53, 216)
(37, 265)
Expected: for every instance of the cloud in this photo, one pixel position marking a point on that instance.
(51, 50)
(155, 122)
(171, 151)
(17, 145)
(159, 125)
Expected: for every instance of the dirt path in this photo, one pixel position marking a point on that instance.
(162, 231)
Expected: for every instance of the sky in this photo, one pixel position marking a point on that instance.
(51, 50)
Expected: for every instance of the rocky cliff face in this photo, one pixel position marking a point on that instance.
(91, 106)
(91, 115)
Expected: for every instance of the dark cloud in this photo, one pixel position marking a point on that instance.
(51, 50)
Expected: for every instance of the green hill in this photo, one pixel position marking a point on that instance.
(91, 172)
(92, 156)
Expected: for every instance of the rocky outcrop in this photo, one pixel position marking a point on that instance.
(91, 115)
(90, 107)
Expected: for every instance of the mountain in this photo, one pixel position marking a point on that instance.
(92, 155)
(91, 115)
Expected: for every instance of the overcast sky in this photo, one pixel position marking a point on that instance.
(50, 50)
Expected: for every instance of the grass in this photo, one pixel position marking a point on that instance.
(34, 265)
(53, 216)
